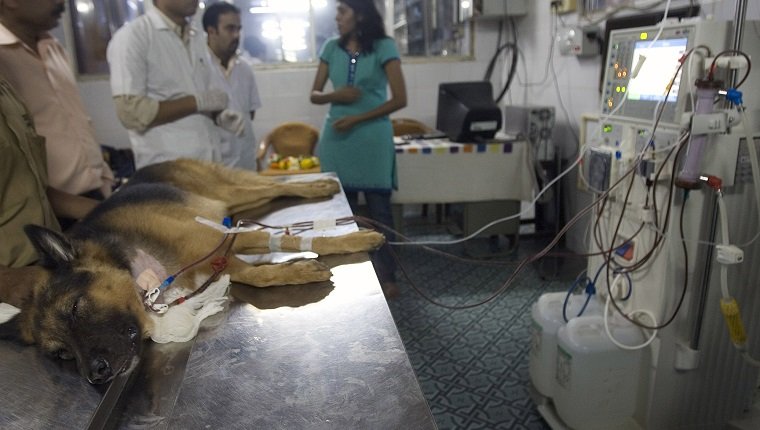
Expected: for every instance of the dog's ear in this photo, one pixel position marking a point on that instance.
(54, 249)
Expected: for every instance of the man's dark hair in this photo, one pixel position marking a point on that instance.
(211, 15)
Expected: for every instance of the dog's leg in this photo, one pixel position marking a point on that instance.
(241, 198)
(290, 273)
(260, 242)
(241, 189)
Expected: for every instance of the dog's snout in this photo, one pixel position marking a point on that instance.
(100, 370)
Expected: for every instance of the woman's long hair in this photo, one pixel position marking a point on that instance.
(369, 24)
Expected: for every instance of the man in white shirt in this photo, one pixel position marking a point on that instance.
(234, 75)
(160, 82)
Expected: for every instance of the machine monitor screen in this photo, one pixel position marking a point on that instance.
(654, 76)
(656, 89)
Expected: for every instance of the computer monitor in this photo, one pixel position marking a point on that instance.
(467, 111)
(640, 93)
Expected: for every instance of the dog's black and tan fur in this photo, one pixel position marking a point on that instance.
(83, 303)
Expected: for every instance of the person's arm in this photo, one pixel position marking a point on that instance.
(172, 110)
(344, 95)
(137, 112)
(397, 100)
(130, 73)
(67, 205)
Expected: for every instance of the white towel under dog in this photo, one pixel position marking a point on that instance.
(181, 322)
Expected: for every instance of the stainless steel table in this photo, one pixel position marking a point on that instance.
(324, 355)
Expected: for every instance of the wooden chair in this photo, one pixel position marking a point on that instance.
(406, 126)
(288, 139)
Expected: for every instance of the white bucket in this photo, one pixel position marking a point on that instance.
(596, 381)
(547, 318)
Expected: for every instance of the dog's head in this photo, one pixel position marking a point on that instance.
(78, 305)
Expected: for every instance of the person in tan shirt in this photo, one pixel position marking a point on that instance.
(36, 65)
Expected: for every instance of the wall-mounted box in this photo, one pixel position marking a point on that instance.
(579, 41)
(494, 9)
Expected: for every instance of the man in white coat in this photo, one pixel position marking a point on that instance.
(234, 75)
(160, 82)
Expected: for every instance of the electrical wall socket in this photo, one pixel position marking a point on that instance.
(579, 41)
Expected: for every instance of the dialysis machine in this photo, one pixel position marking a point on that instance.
(650, 336)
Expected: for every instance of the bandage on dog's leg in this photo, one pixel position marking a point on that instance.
(260, 242)
(275, 243)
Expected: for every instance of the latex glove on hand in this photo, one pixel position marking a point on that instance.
(212, 101)
(232, 121)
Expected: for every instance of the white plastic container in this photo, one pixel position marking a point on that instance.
(596, 381)
(547, 318)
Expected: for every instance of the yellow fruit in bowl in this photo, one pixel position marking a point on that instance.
(282, 164)
(307, 163)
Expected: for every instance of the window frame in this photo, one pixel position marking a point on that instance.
(71, 36)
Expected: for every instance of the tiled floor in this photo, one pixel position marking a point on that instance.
(472, 364)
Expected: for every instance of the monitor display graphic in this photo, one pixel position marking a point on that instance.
(661, 64)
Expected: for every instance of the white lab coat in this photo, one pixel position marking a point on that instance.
(148, 59)
(240, 85)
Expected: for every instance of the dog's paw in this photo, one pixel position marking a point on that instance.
(367, 240)
(304, 272)
(362, 240)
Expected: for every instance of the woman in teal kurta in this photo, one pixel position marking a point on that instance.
(356, 140)
(370, 166)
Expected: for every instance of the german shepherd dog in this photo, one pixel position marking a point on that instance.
(82, 301)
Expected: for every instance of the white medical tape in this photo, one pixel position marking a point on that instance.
(159, 309)
(324, 224)
(275, 243)
(222, 228)
(305, 243)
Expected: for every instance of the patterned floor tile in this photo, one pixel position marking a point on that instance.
(472, 364)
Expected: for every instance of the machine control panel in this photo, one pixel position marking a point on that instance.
(642, 73)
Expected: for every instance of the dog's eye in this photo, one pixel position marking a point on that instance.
(75, 307)
(63, 354)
